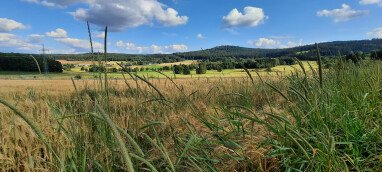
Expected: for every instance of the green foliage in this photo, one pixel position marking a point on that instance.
(186, 70)
(25, 63)
(178, 69)
(68, 67)
(376, 55)
(78, 76)
(327, 49)
(355, 57)
(96, 68)
(202, 68)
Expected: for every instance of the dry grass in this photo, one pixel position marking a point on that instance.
(199, 124)
(47, 101)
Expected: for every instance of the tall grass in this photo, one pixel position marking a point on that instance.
(299, 122)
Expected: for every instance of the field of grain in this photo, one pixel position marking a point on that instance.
(281, 70)
(304, 121)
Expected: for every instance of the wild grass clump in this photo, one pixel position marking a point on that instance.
(333, 128)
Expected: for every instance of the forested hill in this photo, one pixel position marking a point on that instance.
(233, 52)
(301, 52)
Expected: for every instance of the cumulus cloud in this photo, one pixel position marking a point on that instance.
(132, 47)
(251, 17)
(264, 42)
(120, 14)
(11, 40)
(35, 38)
(58, 33)
(129, 13)
(345, 13)
(81, 45)
(200, 36)
(176, 48)
(371, 2)
(153, 49)
(376, 33)
(8, 25)
(273, 43)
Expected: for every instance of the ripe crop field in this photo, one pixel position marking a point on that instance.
(265, 122)
(278, 70)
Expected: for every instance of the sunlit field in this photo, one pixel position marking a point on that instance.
(278, 70)
(190, 86)
(257, 122)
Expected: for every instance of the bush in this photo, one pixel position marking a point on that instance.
(186, 70)
(178, 69)
(376, 55)
(78, 76)
(96, 68)
(202, 68)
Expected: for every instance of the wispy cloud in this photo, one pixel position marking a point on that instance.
(345, 13)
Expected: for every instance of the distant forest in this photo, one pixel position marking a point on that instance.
(220, 53)
(26, 63)
(221, 57)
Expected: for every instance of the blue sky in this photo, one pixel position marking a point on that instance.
(166, 26)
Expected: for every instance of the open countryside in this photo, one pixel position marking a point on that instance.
(161, 85)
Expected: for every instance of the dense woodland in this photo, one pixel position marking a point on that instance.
(221, 53)
(26, 63)
(306, 52)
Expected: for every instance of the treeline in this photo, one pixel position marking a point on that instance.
(220, 53)
(136, 59)
(25, 63)
(306, 52)
(219, 66)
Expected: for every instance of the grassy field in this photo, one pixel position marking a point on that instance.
(278, 70)
(270, 122)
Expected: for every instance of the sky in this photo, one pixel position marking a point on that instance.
(167, 26)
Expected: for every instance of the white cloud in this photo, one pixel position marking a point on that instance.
(273, 43)
(58, 33)
(132, 47)
(176, 48)
(200, 36)
(118, 14)
(120, 44)
(371, 2)
(100, 35)
(11, 40)
(8, 25)
(376, 33)
(80, 44)
(153, 49)
(252, 17)
(35, 38)
(264, 43)
(345, 13)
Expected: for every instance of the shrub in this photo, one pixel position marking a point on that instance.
(178, 69)
(78, 76)
(202, 68)
(186, 70)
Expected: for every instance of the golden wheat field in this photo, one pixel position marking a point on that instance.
(253, 123)
(61, 112)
